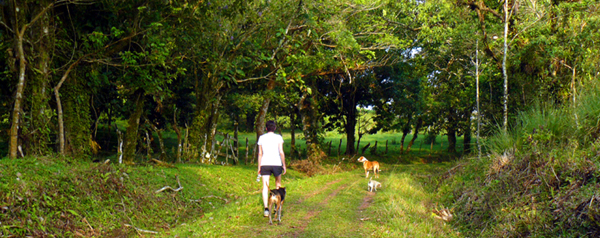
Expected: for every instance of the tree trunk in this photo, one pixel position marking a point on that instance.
(350, 128)
(14, 129)
(478, 110)
(308, 112)
(261, 118)
(133, 124)
(452, 140)
(262, 112)
(161, 141)
(404, 133)
(19, 32)
(358, 142)
(415, 134)
(467, 139)
(38, 75)
(205, 121)
(61, 123)
(179, 138)
(214, 121)
(504, 124)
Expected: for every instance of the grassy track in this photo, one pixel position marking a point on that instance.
(337, 205)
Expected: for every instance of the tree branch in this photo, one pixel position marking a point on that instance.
(480, 5)
(169, 187)
(7, 27)
(140, 230)
(256, 78)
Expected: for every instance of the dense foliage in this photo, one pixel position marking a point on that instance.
(73, 67)
(83, 77)
(540, 179)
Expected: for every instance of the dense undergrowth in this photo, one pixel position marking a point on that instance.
(541, 179)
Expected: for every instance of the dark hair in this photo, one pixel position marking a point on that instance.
(271, 126)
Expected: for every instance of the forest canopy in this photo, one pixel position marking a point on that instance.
(71, 70)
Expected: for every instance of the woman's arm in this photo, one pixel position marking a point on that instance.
(282, 156)
(260, 154)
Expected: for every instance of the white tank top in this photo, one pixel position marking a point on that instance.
(270, 147)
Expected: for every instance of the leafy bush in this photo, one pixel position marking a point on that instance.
(540, 178)
(430, 138)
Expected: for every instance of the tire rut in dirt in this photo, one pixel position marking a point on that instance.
(306, 220)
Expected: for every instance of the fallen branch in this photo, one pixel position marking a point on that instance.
(140, 230)
(90, 226)
(170, 188)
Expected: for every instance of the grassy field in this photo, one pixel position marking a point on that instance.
(419, 153)
(74, 197)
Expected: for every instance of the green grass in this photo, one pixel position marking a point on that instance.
(50, 196)
(54, 196)
(66, 197)
(332, 206)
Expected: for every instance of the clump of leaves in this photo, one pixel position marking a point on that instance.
(430, 138)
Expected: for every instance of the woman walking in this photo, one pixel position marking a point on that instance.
(271, 160)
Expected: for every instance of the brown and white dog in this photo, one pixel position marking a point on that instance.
(369, 165)
(276, 198)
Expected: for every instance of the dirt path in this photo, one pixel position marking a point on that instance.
(329, 206)
(314, 212)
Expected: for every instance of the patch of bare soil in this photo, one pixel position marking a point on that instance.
(323, 188)
(366, 203)
(367, 200)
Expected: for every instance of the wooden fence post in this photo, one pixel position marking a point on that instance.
(254, 154)
(339, 147)
(374, 149)
(364, 148)
(386, 147)
(246, 150)
(431, 148)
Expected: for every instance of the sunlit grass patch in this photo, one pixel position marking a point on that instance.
(403, 206)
